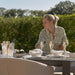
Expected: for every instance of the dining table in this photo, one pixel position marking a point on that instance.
(58, 61)
(67, 63)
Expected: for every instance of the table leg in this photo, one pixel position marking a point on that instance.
(66, 68)
(74, 72)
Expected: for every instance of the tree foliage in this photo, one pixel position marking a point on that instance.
(65, 7)
(2, 11)
(9, 13)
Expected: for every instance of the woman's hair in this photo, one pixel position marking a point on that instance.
(50, 17)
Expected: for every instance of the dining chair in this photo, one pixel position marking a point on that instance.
(3, 66)
(13, 66)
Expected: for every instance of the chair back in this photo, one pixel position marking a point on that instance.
(13, 66)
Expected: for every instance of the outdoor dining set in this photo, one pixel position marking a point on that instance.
(34, 63)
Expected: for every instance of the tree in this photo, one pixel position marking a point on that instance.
(37, 12)
(11, 12)
(65, 7)
(2, 11)
(20, 12)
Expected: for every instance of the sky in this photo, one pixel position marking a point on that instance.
(30, 4)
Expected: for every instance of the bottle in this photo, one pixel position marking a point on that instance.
(13, 44)
(14, 40)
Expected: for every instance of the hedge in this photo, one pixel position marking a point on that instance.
(26, 30)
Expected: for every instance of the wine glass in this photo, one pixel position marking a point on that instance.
(41, 45)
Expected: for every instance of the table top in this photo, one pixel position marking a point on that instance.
(53, 58)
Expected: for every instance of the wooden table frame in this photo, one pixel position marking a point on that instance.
(64, 63)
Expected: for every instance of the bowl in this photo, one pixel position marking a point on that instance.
(36, 52)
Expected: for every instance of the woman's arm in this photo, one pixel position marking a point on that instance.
(41, 38)
(64, 39)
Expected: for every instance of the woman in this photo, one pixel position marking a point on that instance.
(51, 32)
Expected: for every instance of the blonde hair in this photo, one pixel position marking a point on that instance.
(51, 17)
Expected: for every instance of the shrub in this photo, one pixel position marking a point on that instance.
(26, 30)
